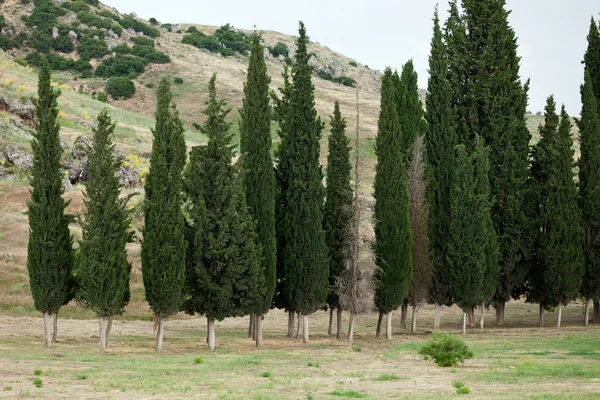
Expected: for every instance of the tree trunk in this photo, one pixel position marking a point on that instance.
(482, 317)
(541, 319)
(330, 321)
(413, 325)
(471, 317)
(305, 338)
(500, 307)
(55, 328)
(351, 328)
(586, 317)
(290, 324)
(597, 311)
(464, 322)
(388, 326)
(339, 323)
(155, 325)
(378, 333)
(258, 331)
(436, 316)
(47, 330)
(108, 328)
(559, 315)
(299, 325)
(403, 312)
(102, 334)
(160, 331)
(211, 334)
(251, 326)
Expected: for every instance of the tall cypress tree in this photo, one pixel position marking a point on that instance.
(591, 59)
(440, 140)
(410, 111)
(164, 246)
(259, 178)
(104, 270)
(562, 242)
(49, 251)
(338, 209)
(225, 271)
(393, 243)
(589, 190)
(305, 251)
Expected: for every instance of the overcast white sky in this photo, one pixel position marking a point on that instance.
(551, 33)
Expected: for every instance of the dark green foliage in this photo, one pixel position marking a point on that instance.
(192, 29)
(563, 237)
(94, 3)
(99, 22)
(353, 63)
(120, 88)
(225, 41)
(43, 16)
(178, 81)
(393, 242)
(440, 141)
(342, 80)
(108, 14)
(164, 246)
(143, 41)
(59, 63)
(104, 272)
(168, 27)
(75, 6)
(337, 214)
(306, 269)
(147, 53)
(446, 350)
(5, 42)
(280, 49)
(409, 108)
(63, 44)
(40, 41)
(3, 23)
(120, 65)
(259, 178)
(589, 187)
(224, 275)
(591, 59)
(92, 48)
(102, 97)
(153, 21)
(49, 251)
(129, 22)
(472, 248)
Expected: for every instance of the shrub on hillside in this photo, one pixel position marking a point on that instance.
(94, 3)
(102, 97)
(99, 22)
(353, 63)
(129, 22)
(142, 41)
(40, 41)
(168, 27)
(120, 88)
(4, 42)
(177, 80)
(108, 14)
(75, 6)
(342, 80)
(225, 41)
(92, 48)
(59, 63)
(147, 53)
(192, 29)
(153, 21)
(43, 16)
(63, 44)
(120, 65)
(446, 350)
(280, 49)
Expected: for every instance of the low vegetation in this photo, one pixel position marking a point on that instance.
(226, 41)
(446, 350)
(120, 88)
(342, 80)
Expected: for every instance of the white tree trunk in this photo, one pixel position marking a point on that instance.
(559, 315)
(211, 334)
(388, 326)
(436, 316)
(258, 330)
(160, 331)
(413, 325)
(464, 322)
(330, 331)
(102, 333)
(339, 323)
(108, 328)
(305, 338)
(47, 330)
(351, 328)
(55, 328)
(290, 324)
(586, 318)
(541, 318)
(299, 325)
(482, 317)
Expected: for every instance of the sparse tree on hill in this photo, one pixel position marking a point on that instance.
(49, 251)
(225, 270)
(338, 210)
(589, 191)
(304, 253)
(259, 178)
(104, 271)
(393, 245)
(164, 246)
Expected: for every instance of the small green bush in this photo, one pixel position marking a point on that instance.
(120, 88)
(168, 27)
(177, 80)
(20, 61)
(75, 6)
(99, 22)
(129, 22)
(120, 65)
(143, 41)
(280, 49)
(348, 393)
(102, 97)
(266, 374)
(37, 372)
(226, 41)
(92, 48)
(446, 350)
(460, 387)
(7, 388)
(353, 63)
(342, 80)
(38, 382)
(94, 3)
(192, 29)
(149, 85)
(108, 14)
(198, 360)
(153, 21)
(81, 377)
(60, 63)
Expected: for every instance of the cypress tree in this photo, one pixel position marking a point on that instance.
(393, 243)
(164, 246)
(338, 209)
(591, 59)
(562, 242)
(259, 178)
(104, 270)
(472, 250)
(410, 109)
(305, 253)
(49, 251)
(440, 140)
(225, 267)
(589, 190)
